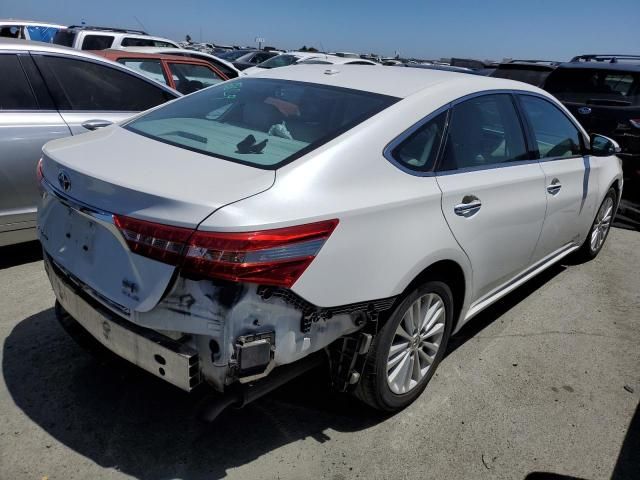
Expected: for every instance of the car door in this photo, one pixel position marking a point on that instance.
(493, 195)
(27, 121)
(560, 145)
(91, 94)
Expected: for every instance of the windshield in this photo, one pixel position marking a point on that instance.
(279, 61)
(264, 123)
(593, 86)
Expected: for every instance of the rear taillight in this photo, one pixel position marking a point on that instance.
(271, 257)
(635, 122)
(160, 242)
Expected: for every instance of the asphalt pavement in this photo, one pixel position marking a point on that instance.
(543, 385)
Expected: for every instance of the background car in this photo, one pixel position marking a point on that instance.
(84, 37)
(223, 65)
(50, 92)
(283, 60)
(603, 92)
(336, 60)
(29, 30)
(533, 72)
(444, 68)
(251, 58)
(183, 74)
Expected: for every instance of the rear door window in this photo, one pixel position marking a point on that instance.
(593, 86)
(259, 122)
(64, 37)
(16, 93)
(86, 85)
(484, 131)
(151, 68)
(97, 42)
(555, 135)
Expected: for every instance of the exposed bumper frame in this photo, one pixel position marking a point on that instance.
(175, 362)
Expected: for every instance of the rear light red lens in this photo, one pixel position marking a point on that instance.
(160, 242)
(271, 257)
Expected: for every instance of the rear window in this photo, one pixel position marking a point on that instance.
(263, 123)
(530, 75)
(593, 86)
(64, 37)
(145, 42)
(279, 61)
(97, 42)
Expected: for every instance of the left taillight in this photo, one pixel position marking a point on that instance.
(276, 257)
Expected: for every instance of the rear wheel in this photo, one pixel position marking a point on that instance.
(599, 229)
(408, 348)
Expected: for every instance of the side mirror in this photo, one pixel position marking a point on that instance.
(602, 146)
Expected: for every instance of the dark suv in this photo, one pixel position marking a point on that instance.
(533, 72)
(603, 92)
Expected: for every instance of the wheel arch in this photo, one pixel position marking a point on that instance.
(455, 275)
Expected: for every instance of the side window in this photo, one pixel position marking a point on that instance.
(190, 78)
(484, 130)
(16, 93)
(97, 42)
(149, 68)
(419, 151)
(555, 134)
(85, 85)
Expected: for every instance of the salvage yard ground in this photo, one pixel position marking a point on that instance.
(547, 381)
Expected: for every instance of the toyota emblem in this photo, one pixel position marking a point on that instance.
(64, 182)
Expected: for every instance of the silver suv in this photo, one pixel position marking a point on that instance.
(50, 92)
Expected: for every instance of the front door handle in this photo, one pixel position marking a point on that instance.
(95, 124)
(554, 187)
(469, 207)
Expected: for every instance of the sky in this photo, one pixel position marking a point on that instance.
(483, 29)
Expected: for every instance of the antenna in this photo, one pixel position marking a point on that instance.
(140, 23)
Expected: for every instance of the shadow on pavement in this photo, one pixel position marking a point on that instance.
(14, 255)
(122, 418)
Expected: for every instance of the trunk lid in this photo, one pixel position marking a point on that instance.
(114, 171)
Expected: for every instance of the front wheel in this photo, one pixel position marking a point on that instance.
(599, 229)
(407, 350)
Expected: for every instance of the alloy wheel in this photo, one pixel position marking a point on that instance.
(416, 343)
(601, 225)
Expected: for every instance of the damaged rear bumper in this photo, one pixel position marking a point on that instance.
(175, 362)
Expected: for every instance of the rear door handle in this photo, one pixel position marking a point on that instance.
(469, 207)
(95, 124)
(554, 187)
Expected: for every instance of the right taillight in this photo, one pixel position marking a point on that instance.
(271, 257)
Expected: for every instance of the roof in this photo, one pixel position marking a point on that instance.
(18, 22)
(397, 82)
(617, 67)
(113, 54)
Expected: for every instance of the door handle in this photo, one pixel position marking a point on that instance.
(469, 207)
(95, 124)
(554, 187)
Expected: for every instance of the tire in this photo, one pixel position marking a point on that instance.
(383, 386)
(601, 224)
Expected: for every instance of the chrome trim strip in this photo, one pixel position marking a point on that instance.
(491, 297)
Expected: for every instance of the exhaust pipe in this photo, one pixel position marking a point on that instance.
(244, 394)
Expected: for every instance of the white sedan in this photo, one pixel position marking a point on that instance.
(244, 233)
